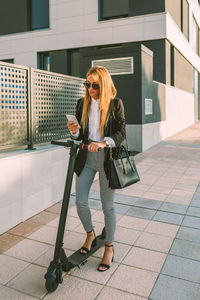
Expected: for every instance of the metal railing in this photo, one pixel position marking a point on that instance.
(34, 104)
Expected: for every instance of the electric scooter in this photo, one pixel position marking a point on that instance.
(60, 261)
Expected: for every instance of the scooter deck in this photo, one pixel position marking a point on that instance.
(77, 259)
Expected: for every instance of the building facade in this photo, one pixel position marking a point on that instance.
(151, 48)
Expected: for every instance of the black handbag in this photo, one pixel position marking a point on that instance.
(123, 171)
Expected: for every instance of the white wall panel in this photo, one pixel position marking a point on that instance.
(179, 109)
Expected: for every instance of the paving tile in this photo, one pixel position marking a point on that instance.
(27, 250)
(164, 183)
(178, 200)
(31, 281)
(189, 234)
(182, 193)
(185, 187)
(191, 222)
(94, 194)
(145, 259)
(126, 235)
(95, 204)
(73, 240)
(26, 228)
(193, 211)
(168, 217)
(133, 223)
(44, 217)
(73, 211)
(10, 267)
(121, 208)
(174, 289)
(196, 196)
(56, 208)
(89, 271)
(46, 234)
(76, 289)
(148, 203)
(143, 213)
(98, 216)
(154, 242)
(162, 228)
(185, 249)
(71, 223)
(115, 294)
(98, 227)
(154, 196)
(119, 197)
(173, 208)
(8, 240)
(195, 202)
(141, 282)
(10, 294)
(141, 187)
(130, 192)
(182, 268)
(120, 249)
(160, 189)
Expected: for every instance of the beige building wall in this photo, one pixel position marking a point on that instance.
(174, 8)
(183, 72)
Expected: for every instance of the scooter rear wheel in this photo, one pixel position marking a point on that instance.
(51, 284)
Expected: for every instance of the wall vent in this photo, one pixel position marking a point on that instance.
(116, 66)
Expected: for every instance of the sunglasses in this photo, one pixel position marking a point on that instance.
(87, 85)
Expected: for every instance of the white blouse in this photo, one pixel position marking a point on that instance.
(94, 120)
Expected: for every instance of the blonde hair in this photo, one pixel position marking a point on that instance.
(107, 94)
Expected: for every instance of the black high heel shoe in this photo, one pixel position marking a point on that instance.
(105, 265)
(93, 244)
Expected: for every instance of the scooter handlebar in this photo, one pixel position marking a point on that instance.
(69, 143)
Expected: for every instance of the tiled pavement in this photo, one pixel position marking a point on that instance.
(157, 243)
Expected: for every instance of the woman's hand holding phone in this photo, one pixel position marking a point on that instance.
(73, 127)
(72, 124)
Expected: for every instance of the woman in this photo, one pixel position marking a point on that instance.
(94, 113)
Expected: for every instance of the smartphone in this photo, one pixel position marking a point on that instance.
(72, 118)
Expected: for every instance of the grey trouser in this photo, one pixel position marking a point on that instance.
(94, 164)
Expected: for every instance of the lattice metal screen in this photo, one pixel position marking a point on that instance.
(13, 109)
(53, 96)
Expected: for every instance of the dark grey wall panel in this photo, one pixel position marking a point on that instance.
(158, 48)
(14, 16)
(128, 86)
(151, 90)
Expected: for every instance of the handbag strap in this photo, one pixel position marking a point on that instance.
(110, 132)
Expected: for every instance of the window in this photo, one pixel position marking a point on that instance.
(44, 61)
(10, 61)
(185, 18)
(113, 9)
(39, 14)
(194, 35)
(172, 65)
(116, 66)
